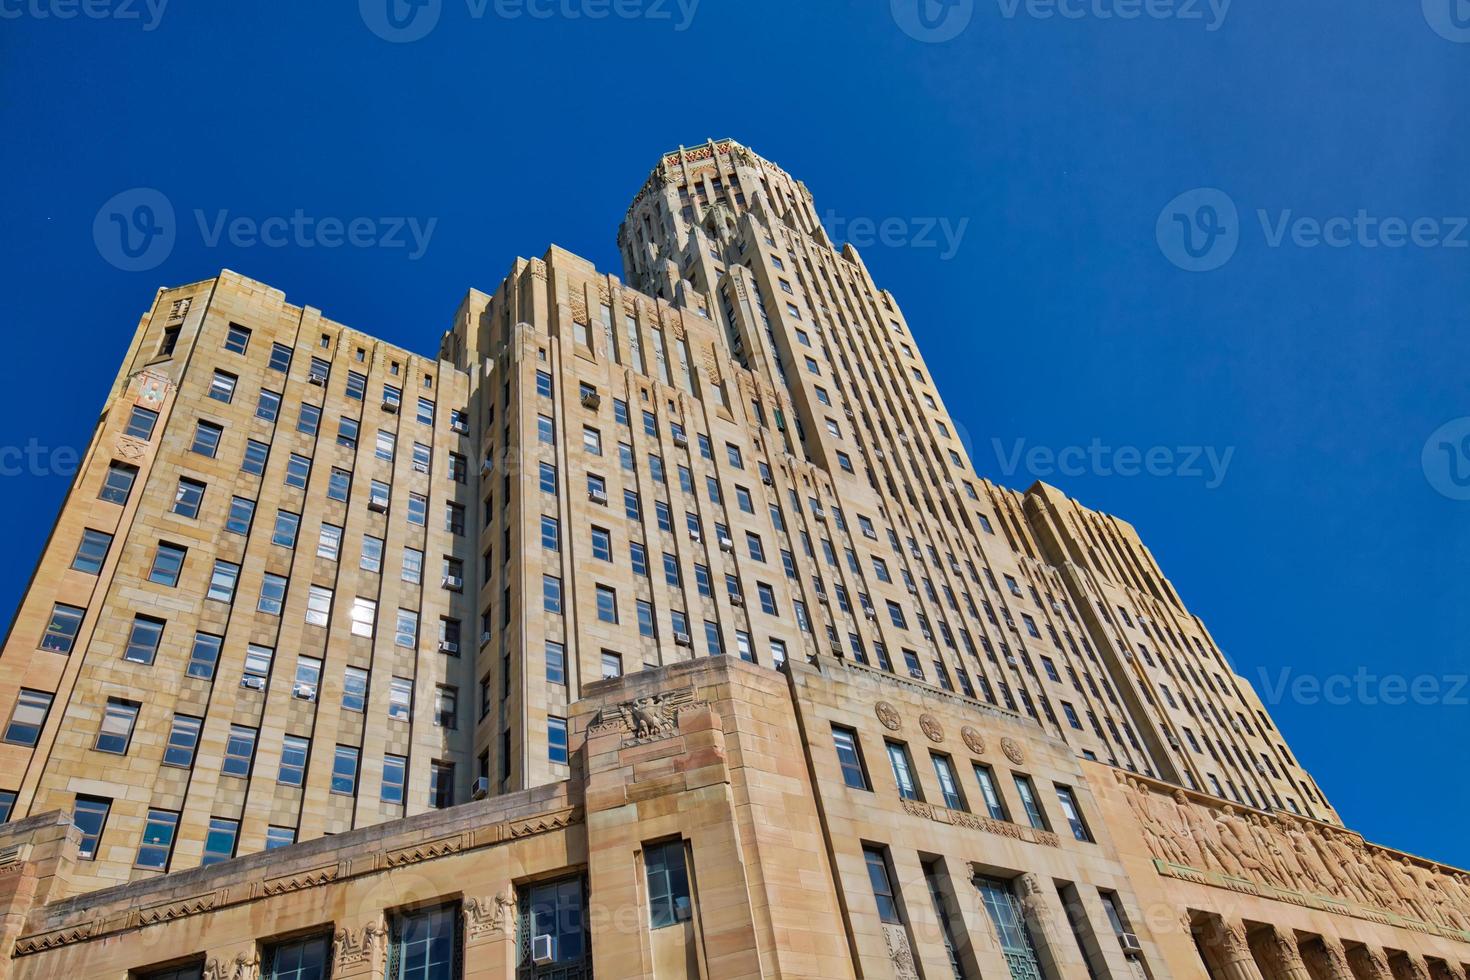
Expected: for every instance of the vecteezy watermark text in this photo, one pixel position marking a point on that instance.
(1207, 463)
(937, 21)
(403, 21)
(148, 13)
(137, 229)
(1200, 230)
(944, 234)
(1446, 459)
(1364, 687)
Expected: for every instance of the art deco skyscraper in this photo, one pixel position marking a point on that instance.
(306, 581)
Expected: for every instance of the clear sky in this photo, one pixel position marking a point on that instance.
(1019, 178)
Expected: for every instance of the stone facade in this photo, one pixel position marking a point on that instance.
(688, 574)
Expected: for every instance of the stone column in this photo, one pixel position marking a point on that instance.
(1234, 947)
(1281, 946)
(1050, 931)
(1414, 967)
(1331, 959)
(1370, 962)
(490, 935)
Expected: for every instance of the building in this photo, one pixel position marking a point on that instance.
(666, 619)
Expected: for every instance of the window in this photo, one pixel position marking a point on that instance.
(294, 752)
(116, 732)
(279, 837)
(298, 468)
(413, 566)
(239, 751)
(168, 562)
(356, 385)
(219, 843)
(767, 598)
(550, 533)
(92, 552)
(258, 661)
(158, 840)
(948, 785)
(877, 862)
(441, 785)
(118, 484)
(347, 432)
(354, 689)
(319, 608)
(204, 655)
(237, 339)
(287, 525)
(400, 699)
(753, 543)
(425, 944)
(668, 884)
(446, 707)
(556, 739)
(556, 663)
(898, 758)
(850, 758)
(298, 959)
(1029, 803)
(671, 570)
(222, 581)
(268, 407)
(638, 558)
(308, 678)
(551, 594)
(558, 909)
(591, 441)
(418, 509)
(548, 478)
(183, 739)
(242, 514)
(601, 544)
(395, 777)
(61, 630)
(607, 604)
(140, 423)
(255, 457)
(344, 770)
(280, 358)
(309, 419)
(90, 817)
(612, 664)
(421, 457)
(1073, 813)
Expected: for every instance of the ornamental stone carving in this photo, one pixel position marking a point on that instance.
(888, 716)
(484, 916)
(899, 953)
(1012, 751)
(351, 947)
(973, 740)
(930, 726)
(649, 717)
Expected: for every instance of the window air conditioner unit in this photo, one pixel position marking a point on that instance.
(317, 379)
(822, 598)
(683, 640)
(448, 646)
(913, 590)
(421, 467)
(390, 406)
(304, 692)
(481, 788)
(253, 681)
(836, 649)
(543, 950)
(485, 637)
(1056, 607)
(736, 599)
(870, 612)
(377, 505)
(1129, 942)
(681, 440)
(683, 910)
(597, 496)
(454, 583)
(486, 466)
(695, 536)
(726, 544)
(592, 400)
(1173, 740)
(1260, 768)
(768, 481)
(460, 426)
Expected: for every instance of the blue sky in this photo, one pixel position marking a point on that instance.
(1056, 314)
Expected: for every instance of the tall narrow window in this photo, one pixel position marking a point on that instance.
(850, 757)
(898, 757)
(557, 909)
(882, 883)
(31, 709)
(426, 945)
(993, 805)
(158, 839)
(90, 816)
(668, 884)
(219, 843)
(1030, 803)
(1073, 813)
(62, 628)
(948, 785)
(143, 639)
(116, 733)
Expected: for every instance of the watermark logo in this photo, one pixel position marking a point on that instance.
(135, 230)
(1446, 459)
(1449, 18)
(401, 21)
(1211, 13)
(1199, 230)
(1363, 687)
(943, 234)
(932, 21)
(1207, 463)
(148, 13)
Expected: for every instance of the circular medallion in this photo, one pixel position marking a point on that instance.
(1012, 750)
(973, 741)
(888, 715)
(930, 726)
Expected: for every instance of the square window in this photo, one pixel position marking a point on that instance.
(140, 423)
